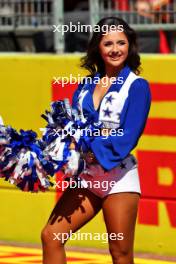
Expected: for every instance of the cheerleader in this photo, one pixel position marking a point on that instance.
(121, 103)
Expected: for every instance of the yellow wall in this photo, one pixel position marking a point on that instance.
(25, 92)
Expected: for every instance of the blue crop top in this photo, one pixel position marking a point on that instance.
(125, 105)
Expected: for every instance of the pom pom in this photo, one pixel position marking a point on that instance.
(21, 160)
(28, 162)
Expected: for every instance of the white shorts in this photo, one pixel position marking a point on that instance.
(123, 178)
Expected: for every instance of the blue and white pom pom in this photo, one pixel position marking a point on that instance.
(57, 137)
(27, 162)
(65, 125)
(21, 160)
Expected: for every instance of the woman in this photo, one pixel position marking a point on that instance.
(124, 105)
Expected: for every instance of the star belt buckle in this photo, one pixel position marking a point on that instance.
(90, 157)
(105, 131)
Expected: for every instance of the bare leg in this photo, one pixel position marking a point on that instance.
(74, 209)
(120, 211)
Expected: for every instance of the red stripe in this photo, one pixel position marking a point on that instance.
(160, 126)
(163, 91)
(59, 92)
(16, 255)
(160, 91)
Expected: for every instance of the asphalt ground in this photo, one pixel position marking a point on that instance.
(18, 253)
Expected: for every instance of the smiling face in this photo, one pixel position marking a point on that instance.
(113, 49)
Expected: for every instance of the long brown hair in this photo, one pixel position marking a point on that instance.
(93, 61)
